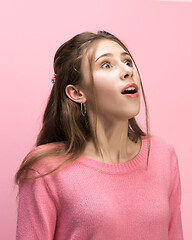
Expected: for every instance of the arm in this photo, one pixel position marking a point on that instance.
(175, 223)
(36, 211)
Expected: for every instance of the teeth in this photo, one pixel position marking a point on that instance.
(130, 88)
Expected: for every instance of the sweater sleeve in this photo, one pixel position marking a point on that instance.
(36, 211)
(175, 223)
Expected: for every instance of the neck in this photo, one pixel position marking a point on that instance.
(114, 143)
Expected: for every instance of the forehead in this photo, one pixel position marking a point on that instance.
(104, 46)
(108, 46)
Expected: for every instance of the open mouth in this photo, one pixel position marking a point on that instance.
(130, 90)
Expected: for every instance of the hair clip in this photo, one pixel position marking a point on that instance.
(53, 79)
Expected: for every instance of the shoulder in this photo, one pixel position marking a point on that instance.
(158, 145)
(47, 150)
(48, 146)
(161, 142)
(164, 150)
(44, 158)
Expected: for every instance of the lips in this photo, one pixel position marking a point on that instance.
(125, 91)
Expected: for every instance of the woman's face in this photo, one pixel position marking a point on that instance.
(112, 71)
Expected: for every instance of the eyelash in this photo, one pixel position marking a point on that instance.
(127, 60)
(130, 61)
(104, 63)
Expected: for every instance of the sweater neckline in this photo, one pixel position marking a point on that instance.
(138, 162)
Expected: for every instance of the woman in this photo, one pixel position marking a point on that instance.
(94, 173)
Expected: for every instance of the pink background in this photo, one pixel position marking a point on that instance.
(157, 33)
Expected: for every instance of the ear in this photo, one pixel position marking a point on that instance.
(75, 94)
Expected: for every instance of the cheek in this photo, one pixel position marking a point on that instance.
(137, 78)
(104, 87)
(104, 79)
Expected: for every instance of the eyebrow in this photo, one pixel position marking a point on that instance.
(110, 54)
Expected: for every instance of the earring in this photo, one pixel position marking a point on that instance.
(83, 109)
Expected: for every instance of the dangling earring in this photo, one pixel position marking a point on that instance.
(83, 109)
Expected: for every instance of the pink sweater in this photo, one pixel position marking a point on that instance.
(120, 202)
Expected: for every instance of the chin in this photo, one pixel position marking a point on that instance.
(132, 113)
(132, 116)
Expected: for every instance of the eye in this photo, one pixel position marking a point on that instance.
(128, 62)
(105, 65)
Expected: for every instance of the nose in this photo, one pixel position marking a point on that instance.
(126, 72)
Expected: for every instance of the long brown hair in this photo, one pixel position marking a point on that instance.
(62, 120)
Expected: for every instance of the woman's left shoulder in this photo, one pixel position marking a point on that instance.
(161, 142)
(164, 150)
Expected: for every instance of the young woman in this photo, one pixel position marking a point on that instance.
(94, 174)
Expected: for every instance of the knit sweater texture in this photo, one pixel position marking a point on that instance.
(120, 202)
